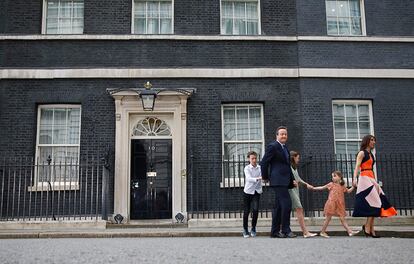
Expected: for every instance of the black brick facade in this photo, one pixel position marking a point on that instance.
(372, 55)
(147, 54)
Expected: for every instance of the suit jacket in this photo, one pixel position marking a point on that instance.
(275, 167)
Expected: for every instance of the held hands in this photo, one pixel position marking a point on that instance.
(295, 183)
(354, 183)
(310, 187)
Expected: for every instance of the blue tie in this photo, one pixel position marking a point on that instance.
(285, 152)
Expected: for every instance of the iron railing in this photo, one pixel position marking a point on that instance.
(216, 188)
(70, 190)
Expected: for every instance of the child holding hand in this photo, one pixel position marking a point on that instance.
(335, 205)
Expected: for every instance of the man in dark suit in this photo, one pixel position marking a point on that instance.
(276, 168)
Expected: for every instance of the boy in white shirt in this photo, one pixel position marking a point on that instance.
(251, 195)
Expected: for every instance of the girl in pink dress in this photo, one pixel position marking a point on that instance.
(335, 205)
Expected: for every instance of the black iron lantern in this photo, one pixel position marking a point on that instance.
(148, 97)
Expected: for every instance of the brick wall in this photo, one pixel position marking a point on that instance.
(376, 55)
(147, 54)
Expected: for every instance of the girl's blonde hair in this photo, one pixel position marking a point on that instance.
(339, 174)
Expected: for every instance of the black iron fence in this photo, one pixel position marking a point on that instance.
(50, 190)
(216, 188)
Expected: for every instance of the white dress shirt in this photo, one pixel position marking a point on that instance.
(252, 182)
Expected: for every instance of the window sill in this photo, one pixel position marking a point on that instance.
(235, 183)
(56, 186)
(231, 183)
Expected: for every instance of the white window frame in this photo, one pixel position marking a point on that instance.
(259, 21)
(348, 178)
(57, 185)
(133, 17)
(235, 182)
(44, 20)
(363, 24)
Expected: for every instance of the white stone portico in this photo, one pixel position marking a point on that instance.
(171, 107)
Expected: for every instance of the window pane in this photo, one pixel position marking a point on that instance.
(242, 114)
(242, 131)
(152, 26)
(364, 129)
(332, 26)
(255, 131)
(343, 8)
(230, 131)
(343, 26)
(52, 26)
(340, 132)
(140, 26)
(354, 8)
(351, 113)
(340, 148)
(339, 112)
(60, 126)
(46, 125)
(255, 114)
(77, 26)
(363, 111)
(65, 26)
(74, 125)
(239, 19)
(356, 26)
(352, 147)
(352, 130)
(230, 151)
(331, 8)
(140, 8)
(229, 114)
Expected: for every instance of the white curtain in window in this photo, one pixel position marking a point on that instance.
(165, 18)
(239, 18)
(153, 13)
(140, 17)
(251, 18)
(227, 17)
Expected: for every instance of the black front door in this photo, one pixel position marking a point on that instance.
(151, 173)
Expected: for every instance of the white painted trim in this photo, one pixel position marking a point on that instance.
(356, 39)
(208, 38)
(171, 107)
(119, 73)
(363, 19)
(44, 15)
(356, 73)
(147, 73)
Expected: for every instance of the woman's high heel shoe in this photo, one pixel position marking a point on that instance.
(374, 236)
(365, 232)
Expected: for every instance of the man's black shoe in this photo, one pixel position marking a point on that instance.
(290, 235)
(278, 235)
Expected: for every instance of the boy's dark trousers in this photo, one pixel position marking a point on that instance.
(251, 201)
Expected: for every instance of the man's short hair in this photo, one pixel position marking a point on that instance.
(279, 128)
(251, 153)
